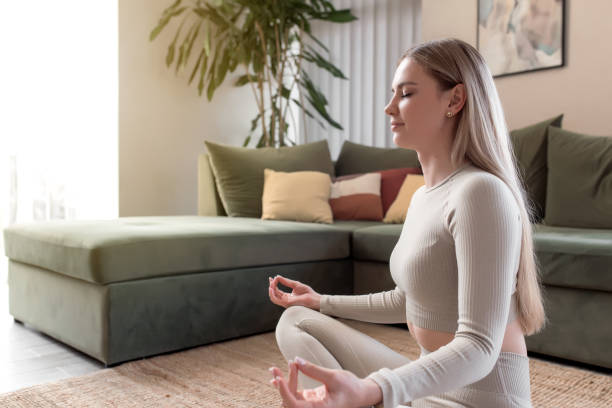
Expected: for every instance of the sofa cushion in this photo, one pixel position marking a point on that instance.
(239, 171)
(353, 225)
(358, 158)
(391, 183)
(357, 197)
(530, 149)
(574, 257)
(296, 196)
(569, 257)
(375, 243)
(579, 192)
(142, 247)
(397, 212)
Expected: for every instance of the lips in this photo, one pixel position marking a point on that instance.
(396, 124)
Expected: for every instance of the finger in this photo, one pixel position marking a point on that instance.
(273, 297)
(293, 379)
(287, 282)
(280, 295)
(276, 296)
(274, 287)
(275, 371)
(287, 396)
(325, 375)
(272, 293)
(273, 282)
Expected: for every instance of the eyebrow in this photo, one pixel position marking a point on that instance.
(404, 83)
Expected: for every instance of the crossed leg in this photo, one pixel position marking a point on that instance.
(330, 343)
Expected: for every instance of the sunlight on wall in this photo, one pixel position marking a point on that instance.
(58, 110)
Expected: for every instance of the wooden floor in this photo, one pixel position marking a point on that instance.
(28, 357)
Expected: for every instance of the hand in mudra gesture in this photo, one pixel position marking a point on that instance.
(301, 295)
(340, 389)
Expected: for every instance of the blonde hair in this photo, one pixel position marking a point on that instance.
(482, 138)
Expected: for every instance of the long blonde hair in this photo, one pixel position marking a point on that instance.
(482, 138)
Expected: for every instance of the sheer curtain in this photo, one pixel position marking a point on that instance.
(58, 111)
(366, 50)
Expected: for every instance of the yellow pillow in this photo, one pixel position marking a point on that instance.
(396, 214)
(296, 196)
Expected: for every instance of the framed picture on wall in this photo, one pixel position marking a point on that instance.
(516, 36)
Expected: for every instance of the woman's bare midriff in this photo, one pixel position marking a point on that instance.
(431, 340)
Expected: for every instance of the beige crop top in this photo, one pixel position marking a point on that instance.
(454, 267)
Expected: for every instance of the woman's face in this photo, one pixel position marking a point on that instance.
(417, 108)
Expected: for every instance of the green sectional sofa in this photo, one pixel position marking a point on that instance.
(139, 286)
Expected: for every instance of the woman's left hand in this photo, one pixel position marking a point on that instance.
(340, 389)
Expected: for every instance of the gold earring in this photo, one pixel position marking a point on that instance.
(449, 114)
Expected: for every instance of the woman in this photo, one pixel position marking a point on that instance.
(464, 266)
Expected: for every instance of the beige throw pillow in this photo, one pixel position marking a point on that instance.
(239, 171)
(296, 196)
(397, 212)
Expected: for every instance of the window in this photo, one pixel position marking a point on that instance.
(58, 111)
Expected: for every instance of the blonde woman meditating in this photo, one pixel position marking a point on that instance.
(464, 265)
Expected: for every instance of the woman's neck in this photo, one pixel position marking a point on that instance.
(437, 166)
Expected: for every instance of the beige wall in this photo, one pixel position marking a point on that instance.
(581, 90)
(163, 122)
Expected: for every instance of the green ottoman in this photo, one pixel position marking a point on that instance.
(138, 286)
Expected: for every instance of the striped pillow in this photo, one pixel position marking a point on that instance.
(357, 197)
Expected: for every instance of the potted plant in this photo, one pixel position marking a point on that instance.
(269, 40)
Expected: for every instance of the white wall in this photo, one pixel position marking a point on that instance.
(163, 122)
(581, 90)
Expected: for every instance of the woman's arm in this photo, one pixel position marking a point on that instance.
(484, 220)
(381, 307)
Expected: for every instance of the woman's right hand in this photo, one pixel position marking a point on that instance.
(301, 295)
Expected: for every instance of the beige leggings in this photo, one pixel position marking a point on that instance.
(330, 343)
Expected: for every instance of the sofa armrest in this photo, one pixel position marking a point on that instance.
(209, 202)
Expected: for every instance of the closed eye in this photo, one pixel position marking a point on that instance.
(406, 95)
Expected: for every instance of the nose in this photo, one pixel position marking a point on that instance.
(391, 109)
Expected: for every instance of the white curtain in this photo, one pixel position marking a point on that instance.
(58, 111)
(366, 51)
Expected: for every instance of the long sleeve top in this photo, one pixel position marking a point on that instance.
(454, 266)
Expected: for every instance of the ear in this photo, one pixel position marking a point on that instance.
(457, 98)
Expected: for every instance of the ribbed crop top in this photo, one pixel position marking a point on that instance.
(454, 266)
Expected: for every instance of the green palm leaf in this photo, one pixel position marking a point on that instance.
(261, 37)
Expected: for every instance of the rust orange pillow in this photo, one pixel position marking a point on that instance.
(399, 208)
(391, 182)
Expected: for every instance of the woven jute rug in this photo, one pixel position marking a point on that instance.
(235, 374)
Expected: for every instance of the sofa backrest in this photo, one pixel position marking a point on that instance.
(209, 202)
